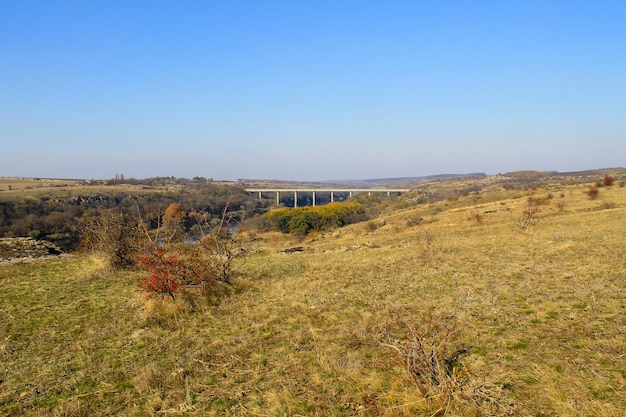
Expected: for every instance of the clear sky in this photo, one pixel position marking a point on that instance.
(310, 90)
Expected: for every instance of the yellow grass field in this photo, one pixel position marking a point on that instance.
(532, 315)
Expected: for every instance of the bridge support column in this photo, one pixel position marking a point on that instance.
(313, 198)
(260, 195)
(295, 199)
(350, 194)
(332, 196)
(277, 198)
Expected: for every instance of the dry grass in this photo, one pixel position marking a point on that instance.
(539, 314)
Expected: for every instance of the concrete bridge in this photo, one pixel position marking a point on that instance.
(314, 192)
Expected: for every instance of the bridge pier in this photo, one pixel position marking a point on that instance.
(351, 191)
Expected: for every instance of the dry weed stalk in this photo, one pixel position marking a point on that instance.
(430, 357)
(431, 353)
(426, 244)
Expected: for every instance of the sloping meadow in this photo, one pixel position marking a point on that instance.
(443, 309)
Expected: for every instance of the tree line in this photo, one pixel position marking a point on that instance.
(60, 219)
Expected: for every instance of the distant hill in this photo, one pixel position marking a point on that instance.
(529, 174)
(404, 181)
(401, 182)
(513, 179)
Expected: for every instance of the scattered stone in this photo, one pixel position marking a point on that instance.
(294, 249)
(22, 249)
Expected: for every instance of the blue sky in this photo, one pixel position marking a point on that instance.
(310, 90)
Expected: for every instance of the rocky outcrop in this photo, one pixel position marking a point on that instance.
(25, 248)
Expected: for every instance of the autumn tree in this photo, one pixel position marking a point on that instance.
(173, 222)
(174, 214)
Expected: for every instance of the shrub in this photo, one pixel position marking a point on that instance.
(260, 223)
(476, 216)
(115, 235)
(593, 192)
(607, 205)
(304, 220)
(608, 180)
(281, 218)
(371, 226)
(167, 272)
(218, 243)
(176, 268)
(530, 215)
(539, 201)
(414, 220)
(216, 253)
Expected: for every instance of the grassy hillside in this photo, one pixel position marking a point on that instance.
(37, 188)
(531, 318)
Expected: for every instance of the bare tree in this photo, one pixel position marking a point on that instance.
(221, 244)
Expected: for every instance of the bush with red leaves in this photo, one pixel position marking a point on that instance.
(608, 180)
(168, 273)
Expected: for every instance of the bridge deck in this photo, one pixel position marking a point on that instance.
(337, 190)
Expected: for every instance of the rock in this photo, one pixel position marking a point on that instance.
(295, 249)
(14, 249)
